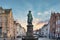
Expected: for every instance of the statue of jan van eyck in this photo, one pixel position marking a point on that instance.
(30, 18)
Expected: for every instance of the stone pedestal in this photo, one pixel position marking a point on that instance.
(29, 38)
(29, 34)
(29, 30)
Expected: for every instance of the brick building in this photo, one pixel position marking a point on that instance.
(55, 25)
(6, 22)
(15, 30)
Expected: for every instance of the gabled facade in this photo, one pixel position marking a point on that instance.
(20, 30)
(6, 22)
(44, 30)
(55, 25)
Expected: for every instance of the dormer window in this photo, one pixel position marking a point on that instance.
(58, 22)
(2, 11)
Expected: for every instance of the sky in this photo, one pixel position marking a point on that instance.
(40, 9)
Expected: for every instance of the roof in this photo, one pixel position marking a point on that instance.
(7, 10)
(45, 25)
(1, 8)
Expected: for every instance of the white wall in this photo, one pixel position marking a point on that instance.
(20, 31)
(45, 30)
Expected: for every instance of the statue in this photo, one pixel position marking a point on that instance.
(29, 33)
(29, 18)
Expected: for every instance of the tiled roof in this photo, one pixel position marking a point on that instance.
(7, 10)
(45, 25)
(1, 8)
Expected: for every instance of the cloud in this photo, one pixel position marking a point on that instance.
(39, 24)
(47, 12)
(55, 10)
(23, 23)
(35, 20)
(42, 22)
(39, 13)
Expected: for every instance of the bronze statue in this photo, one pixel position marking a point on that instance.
(30, 18)
(29, 33)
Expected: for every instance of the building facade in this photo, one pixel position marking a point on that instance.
(6, 22)
(15, 30)
(44, 31)
(20, 30)
(55, 25)
(48, 31)
(36, 33)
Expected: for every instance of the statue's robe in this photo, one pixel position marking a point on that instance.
(30, 18)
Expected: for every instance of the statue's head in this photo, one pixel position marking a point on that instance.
(29, 11)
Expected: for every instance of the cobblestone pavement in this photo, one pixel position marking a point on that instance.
(40, 39)
(43, 39)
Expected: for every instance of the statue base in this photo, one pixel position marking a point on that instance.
(29, 30)
(29, 38)
(29, 34)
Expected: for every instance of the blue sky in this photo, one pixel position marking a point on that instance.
(41, 9)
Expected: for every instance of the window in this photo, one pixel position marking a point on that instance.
(0, 30)
(58, 22)
(58, 17)
(0, 21)
(2, 11)
(53, 26)
(0, 18)
(58, 30)
(5, 24)
(5, 19)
